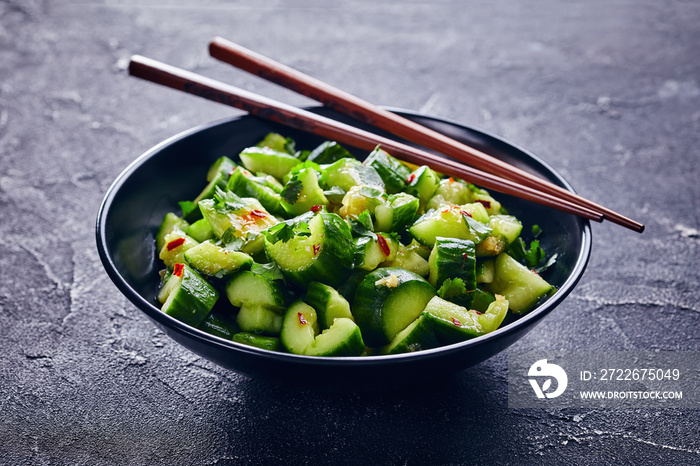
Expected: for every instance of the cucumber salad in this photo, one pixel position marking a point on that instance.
(317, 253)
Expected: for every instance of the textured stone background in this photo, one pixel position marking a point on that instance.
(607, 91)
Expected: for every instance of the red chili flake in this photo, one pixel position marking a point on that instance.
(410, 178)
(478, 313)
(464, 212)
(485, 203)
(316, 209)
(465, 256)
(178, 269)
(456, 322)
(258, 213)
(233, 170)
(302, 319)
(176, 243)
(317, 247)
(384, 245)
(451, 180)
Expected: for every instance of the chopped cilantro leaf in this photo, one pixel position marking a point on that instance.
(280, 232)
(372, 192)
(270, 271)
(291, 190)
(452, 288)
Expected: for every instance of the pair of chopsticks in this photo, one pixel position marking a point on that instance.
(465, 162)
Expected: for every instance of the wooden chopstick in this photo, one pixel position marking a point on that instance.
(357, 108)
(269, 109)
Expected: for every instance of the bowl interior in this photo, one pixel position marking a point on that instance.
(174, 171)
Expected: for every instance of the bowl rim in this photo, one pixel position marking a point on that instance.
(157, 315)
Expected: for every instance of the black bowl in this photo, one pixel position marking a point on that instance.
(173, 171)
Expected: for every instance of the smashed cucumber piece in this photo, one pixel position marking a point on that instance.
(301, 334)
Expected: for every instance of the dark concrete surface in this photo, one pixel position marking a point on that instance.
(606, 91)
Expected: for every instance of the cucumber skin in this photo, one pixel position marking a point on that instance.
(193, 299)
(392, 172)
(241, 183)
(329, 304)
(346, 173)
(397, 212)
(212, 260)
(270, 161)
(350, 344)
(522, 287)
(219, 326)
(295, 336)
(249, 284)
(368, 305)
(259, 341)
(454, 258)
(448, 219)
(424, 182)
(419, 335)
(334, 261)
(170, 223)
(468, 324)
(259, 319)
(310, 195)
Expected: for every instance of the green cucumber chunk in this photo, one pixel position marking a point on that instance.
(342, 338)
(419, 335)
(247, 288)
(259, 319)
(505, 230)
(170, 223)
(391, 170)
(328, 152)
(221, 165)
(219, 182)
(210, 259)
(346, 173)
(190, 297)
(482, 300)
(299, 327)
(235, 218)
(522, 287)
(200, 230)
(329, 304)
(176, 243)
(276, 141)
(219, 325)
(410, 258)
(302, 192)
(370, 251)
(267, 160)
(422, 183)
(506, 226)
(360, 199)
(300, 334)
(387, 301)
(244, 184)
(469, 221)
(450, 192)
(454, 323)
(396, 212)
(259, 341)
(485, 270)
(453, 259)
(325, 255)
